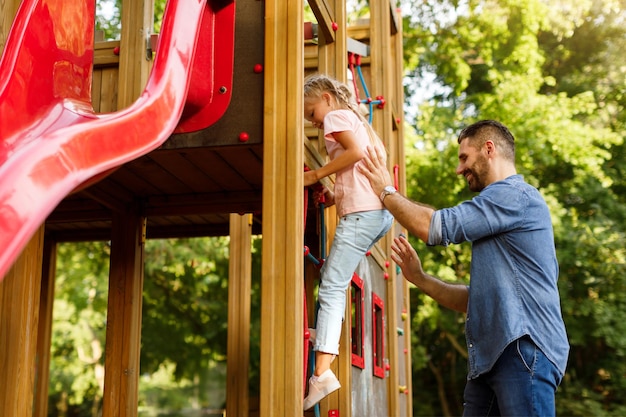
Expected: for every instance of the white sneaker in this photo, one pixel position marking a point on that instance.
(320, 387)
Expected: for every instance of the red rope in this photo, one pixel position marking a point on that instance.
(352, 59)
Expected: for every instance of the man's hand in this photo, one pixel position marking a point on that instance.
(452, 296)
(373, 167)
(407, 259)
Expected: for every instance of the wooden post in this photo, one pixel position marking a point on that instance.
(406, 372)
(333, 60)
(137, 20)
(19, 301)
(123, 337)
(380, 61)
(282, 333)
(8, 10)
(44, 332)
(19, 316)
(384, 77)
(333, 57)
(239, 287)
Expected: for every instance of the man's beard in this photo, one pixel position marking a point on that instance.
(479, 171)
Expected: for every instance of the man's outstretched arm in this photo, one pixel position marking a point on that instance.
(415, 217)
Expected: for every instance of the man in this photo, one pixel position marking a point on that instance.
(516, 340)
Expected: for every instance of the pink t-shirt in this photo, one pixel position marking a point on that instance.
(353, 192)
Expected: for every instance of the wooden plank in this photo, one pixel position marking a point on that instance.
(8, 10)
(186, 204)
(215, 167)
(136, 21)
(123, 336)
(44, 331)
(396, 19)
(131, 179)
(239, 290)
(96, 87)
(382, 69)
(19, 316)
(159, 177)
(333, 60)
(108, 96)
(325, 18)
(244, 162)
(112, 201)
(104, 55)
(283, 193)
(310, 55)
(398, 152)
(177, 164)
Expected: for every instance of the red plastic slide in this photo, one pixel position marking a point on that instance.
(51, 141)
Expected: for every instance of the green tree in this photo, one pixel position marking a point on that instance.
(184, 326)
(78, 330)
(108, 17)
(552, 73)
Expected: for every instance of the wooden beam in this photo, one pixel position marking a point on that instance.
(396, 20)
(333, 60)
(137, 20)
(8, 10)
(239, 289)
(19, 316)
(384, 74)
(123, 336)
(325, 18)
(104, 55)
(405, 374)
(220, 202)
(283, 232)
(44, 331)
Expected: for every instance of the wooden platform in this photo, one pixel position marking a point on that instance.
(188, 187)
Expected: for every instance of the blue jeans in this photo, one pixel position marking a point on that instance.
(523, 382)
(356, 233)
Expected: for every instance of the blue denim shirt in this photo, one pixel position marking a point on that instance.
(513, 277)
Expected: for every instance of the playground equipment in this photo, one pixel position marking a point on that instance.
(53, 140)
(181, 146)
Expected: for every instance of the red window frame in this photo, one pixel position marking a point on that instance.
(357, 321)
(378, 336)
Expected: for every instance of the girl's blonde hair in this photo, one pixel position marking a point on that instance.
(317, 84)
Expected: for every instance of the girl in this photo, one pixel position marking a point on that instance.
(362, 218)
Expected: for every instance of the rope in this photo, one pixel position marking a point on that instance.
(354, 62)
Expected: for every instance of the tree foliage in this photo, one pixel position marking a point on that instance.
(552, 73)
(184, 326)
(78, 331)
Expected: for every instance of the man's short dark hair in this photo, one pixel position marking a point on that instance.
(480, 132)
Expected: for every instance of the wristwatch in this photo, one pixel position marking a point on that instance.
(388, 190)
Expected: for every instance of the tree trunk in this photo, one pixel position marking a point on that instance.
(441, 391)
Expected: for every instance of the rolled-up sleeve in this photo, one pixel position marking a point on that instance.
(434, 232)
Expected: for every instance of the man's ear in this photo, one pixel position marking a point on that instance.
(490, 147)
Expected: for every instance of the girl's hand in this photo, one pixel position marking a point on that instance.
(310, 178)
(329, 196)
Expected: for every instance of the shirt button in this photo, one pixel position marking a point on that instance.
(471, 345)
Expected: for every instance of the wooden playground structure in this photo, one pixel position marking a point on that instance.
(232, 165)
